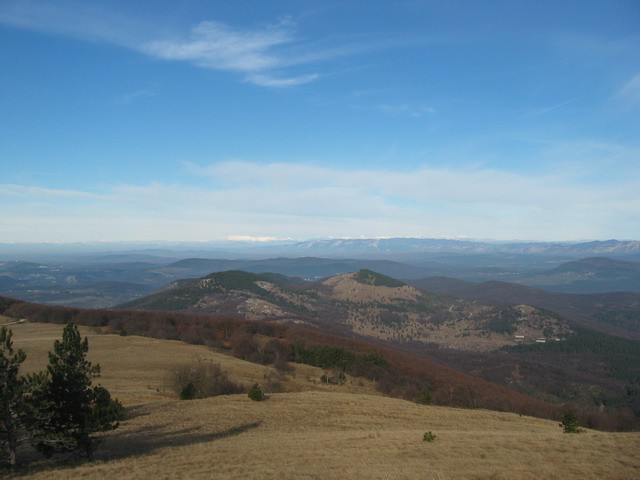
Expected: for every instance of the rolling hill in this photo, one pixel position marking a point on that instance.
(589, 275)
(311, 268)
(616, 313)
(364, 302)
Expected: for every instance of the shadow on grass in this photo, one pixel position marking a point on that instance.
(118, 445)
(143, 441)
(135, 411)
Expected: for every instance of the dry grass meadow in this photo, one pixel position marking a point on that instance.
(313, 431)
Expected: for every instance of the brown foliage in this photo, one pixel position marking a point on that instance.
(405, 376)
(206, 379)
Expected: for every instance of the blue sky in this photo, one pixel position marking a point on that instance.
(199, 121)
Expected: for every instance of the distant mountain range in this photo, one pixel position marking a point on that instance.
(388, 248)
(409, 246)
(107, 280)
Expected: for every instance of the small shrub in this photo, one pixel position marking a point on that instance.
(429, 436)
(570, 422)
(188, 392)
(424, 397)
(203, 380)
(255, 393)
(273, 382)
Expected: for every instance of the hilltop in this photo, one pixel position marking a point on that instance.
(364, 302)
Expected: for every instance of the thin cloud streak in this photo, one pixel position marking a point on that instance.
(405, 109)
(132, 97)
(78, 19)
(425, 184)
(630, 93)
(268, 81)
(542, 111)
(31, 192)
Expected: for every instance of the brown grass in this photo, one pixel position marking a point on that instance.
(139, 369)
(335, 435)
(344, 287)
(310, 434)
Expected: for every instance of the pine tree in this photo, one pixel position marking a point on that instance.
(570, 422)
(424, 397)
(255, 393)
(10, 395)
(63, 408)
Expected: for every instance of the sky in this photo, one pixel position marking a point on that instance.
(251, 120)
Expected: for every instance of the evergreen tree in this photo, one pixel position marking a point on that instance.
(570, 422)
(424, 397)
(10, 395)
(62, 408)
(255, 393)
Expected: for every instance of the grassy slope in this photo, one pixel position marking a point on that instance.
(138, 369)
(310, 434)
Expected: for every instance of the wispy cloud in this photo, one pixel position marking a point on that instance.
(135, 96)
(269, 81)
(545, 110)
(255, 201)
(32, 192)
(263, 55)
(590, 45)
(76, 19)
(630, 93)
(419, 187)
(215, 45)
(257, 53)
(405, 109)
